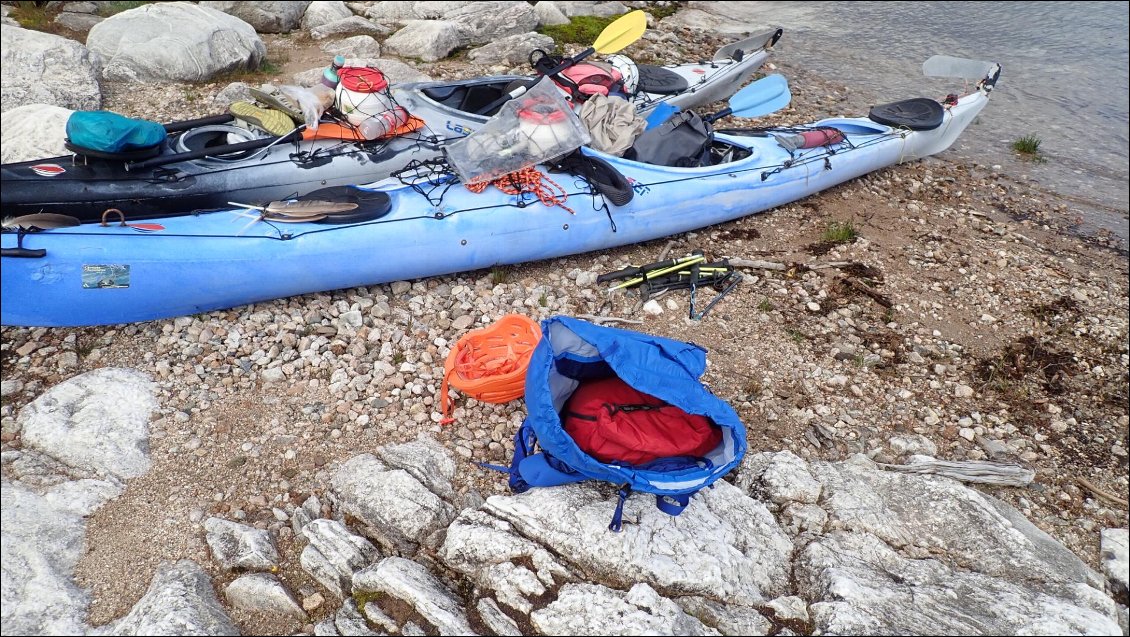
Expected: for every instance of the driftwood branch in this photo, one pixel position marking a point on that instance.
(981, 472)
(860, 286)
(1106, 495)
(609, 319)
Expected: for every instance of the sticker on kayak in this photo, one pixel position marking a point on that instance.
(96, 277)
(48, 170)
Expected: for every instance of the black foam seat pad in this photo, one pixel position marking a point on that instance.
(128, 155)
(656, 79)
(920, 113)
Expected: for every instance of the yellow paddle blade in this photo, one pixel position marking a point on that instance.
(623, 31)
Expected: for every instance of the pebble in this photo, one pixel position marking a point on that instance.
(313, 602)
(967, 433)
(963, 391)
(652, 308)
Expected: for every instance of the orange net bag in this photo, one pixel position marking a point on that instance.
(489, 364)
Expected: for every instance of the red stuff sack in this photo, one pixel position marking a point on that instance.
(614, 423)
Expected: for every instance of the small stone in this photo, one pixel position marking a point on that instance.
(313, 602)
(967, 433)
(463, 322)
(813, 306)
(653, 308)
(963, 391)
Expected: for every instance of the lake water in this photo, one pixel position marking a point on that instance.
(1066, 79)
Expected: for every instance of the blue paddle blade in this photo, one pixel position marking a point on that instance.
(769, 94)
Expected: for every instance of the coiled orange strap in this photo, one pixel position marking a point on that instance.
(489, 364)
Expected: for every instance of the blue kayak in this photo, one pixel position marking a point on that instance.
(92, 274)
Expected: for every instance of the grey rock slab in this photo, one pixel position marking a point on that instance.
(353, 25)
(33, 131)
(42, 540)
(483, 22)
(234, 92)
(427, 40)
(350, 621)
(724, 545)
(394, 508)
(415, 585)
(41, 68)
(404, 11)
(729, 619)
(862, 586)
(593, 609)
(497, 558)
(263, 593)
(180, 601)
(426, 461)
(174, 42)
(357, 46)
(511, 50)
(267, 17)
(77, 21)
(96, 422)
(600, 9)
(238, 546)
(722, 18)
(322, 13)
(1115, 547)
(334, 554)
(927, 516)
(495, 619)
(782, 476)
(549, 13)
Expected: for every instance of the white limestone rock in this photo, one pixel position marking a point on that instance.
(263, 593)
(267, 17)
(782, 476)
(413, 584)
(350, 621)
(237, 546)
(324, 12)
(334, 554)
(1115, 546)
(864, 586)
(395, 71)
(41, 68)
(483, 22)
(427, 40)
(353, 25)
(97, 422)
(357, 46)
(426, 461)
(393, 507)
(405, 11)
(511, 50)
(927, 516)
(730, 19)
(592, 609)
(174, 42)
(33, 131)
(600, 9)
(180, 601)
(42, 540)
(495, 619)
(549, 13)
(729, 619)
(80, 22)
(724, 545)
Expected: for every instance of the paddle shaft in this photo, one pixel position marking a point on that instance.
(213, 151)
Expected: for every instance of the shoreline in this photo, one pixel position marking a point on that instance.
(1039, 382)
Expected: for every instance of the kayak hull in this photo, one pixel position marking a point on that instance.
(85, 188)
(94, 275)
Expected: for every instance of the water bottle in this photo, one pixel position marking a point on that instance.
(329, 75)
(383, 123)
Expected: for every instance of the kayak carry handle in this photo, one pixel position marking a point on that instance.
(23, 253)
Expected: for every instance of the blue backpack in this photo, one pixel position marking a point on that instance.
(572, 351)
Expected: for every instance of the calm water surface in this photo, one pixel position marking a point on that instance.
(1066, 79)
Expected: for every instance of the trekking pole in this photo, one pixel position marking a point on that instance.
(640, 269)
(630, 282)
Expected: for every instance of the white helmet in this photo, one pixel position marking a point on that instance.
(628, 70)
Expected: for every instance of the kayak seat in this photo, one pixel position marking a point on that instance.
(656, 79)
(920, 113)
(125, 155)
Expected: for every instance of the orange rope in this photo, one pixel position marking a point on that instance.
(528, 179)
(489, 364)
